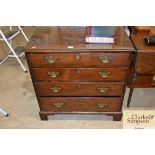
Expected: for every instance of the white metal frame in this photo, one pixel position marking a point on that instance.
(23, 33)
(4, 113)
(13, 55)
(8, 42)
(18, 32)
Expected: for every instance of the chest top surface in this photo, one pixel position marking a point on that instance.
(71, 38)
(138, 40)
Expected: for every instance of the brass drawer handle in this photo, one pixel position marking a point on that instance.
(102, 105)
(104, 73)
(103, 89)
(53, 74)
(50, 59)
(55, 89)
(58, 104)
(105, 59)
(77, 57)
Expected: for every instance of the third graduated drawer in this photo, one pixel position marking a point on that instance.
(79, 88)
(79, 74)
(79, 59)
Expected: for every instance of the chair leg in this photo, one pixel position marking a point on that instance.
(4, 113)
(130, 96)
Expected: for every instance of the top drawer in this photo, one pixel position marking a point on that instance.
(145, 63)
(99, 59)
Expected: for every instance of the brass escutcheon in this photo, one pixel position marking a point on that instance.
(79, 99)
(77, 57)
(78, 85)
(78, 71)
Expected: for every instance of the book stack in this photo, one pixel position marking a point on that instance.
(99, 34)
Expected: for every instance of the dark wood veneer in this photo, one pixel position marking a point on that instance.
(79, 88)
(72, 77)
(79, 59)
(81, 104)
(84, 74)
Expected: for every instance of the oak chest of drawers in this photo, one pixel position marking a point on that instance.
(71, 77)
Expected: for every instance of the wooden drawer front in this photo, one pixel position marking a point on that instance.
(79, 59)
(79, 74)
(143, 81)
(145, 63)
(80, 104)
(79, 88)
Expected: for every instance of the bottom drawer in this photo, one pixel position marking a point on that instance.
(80, 104)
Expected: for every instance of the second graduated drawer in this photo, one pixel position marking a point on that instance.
(79, 74)
(79, 59)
